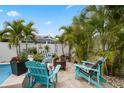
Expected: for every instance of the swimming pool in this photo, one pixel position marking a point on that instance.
(5, 72)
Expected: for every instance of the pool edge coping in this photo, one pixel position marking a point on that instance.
(4, 63)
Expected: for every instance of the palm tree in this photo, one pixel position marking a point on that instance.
(115, 15)
(106, 23)
(101, 23)
(29, 33)
(84, 35)
(68, 38)
(13, 31)
(98, 20)
(79, 36)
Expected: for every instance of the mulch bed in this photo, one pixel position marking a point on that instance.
(116, 81)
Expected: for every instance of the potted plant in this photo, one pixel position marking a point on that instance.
(18, 64)
(37, 57)
(32, 50)
(60, 60)
(47, 48)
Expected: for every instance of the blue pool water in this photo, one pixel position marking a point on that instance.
(5, 72)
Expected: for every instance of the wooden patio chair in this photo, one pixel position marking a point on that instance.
(93, 74)
(38, 73)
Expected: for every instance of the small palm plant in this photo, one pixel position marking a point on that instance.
(68, 38)
(13, 32)
(47, 48)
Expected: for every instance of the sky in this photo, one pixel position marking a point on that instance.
(47, 18)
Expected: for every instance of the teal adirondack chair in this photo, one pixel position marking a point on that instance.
(93, 74)
(38, 73)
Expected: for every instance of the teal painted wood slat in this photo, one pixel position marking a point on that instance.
(38, 73)
(94, 71)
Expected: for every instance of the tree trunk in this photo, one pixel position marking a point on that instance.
(26, 44)
(62, 49)
(17, 50)
(69, 52)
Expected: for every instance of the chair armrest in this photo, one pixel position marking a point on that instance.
(49, 55)
(86, 68)
(47, 59)
(55, 71)
(88, 62)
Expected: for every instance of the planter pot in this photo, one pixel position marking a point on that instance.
(18, 68)
(61, 62)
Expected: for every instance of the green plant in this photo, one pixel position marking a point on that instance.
(47, 48)
(54, 55)
(37, 57)
(108, 68)
(23, 56)
(32, 50)
(117, 64)
(16, 31)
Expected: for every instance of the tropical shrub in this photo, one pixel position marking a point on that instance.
(118, 65)
(23, 56)
(100, 28)
(37, 57)
(113, 63)
(47, 48)
(108, 67)
(54, 55)
(32, 50)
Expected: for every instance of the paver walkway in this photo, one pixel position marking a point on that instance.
(66, 79)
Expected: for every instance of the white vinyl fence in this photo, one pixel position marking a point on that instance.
(6, 54)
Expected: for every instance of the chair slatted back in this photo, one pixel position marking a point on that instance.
(45, 53)
(100, 63)
(37, 69)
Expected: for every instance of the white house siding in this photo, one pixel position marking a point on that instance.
(6, 54)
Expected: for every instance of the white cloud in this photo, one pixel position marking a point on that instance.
(1, 10)
(13, 13)
(48, 22)
(69, 6)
